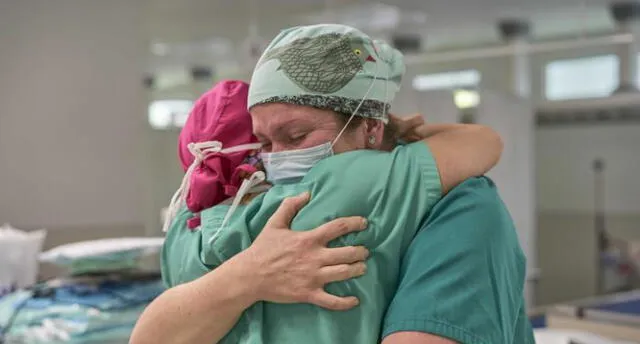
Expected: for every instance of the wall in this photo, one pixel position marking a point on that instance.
(565, 199)
(163, 172)
(72, 114)
(163, 175)
(564, 179)
(566, 236)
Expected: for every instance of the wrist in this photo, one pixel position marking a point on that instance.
(233, 283)
(243, 272)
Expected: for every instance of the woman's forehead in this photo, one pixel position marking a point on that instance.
(268, 117)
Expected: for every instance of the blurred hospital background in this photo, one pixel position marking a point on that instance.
(93, 95)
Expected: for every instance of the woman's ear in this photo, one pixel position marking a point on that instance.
(374, 132)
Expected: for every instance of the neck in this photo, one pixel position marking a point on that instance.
(388, 146)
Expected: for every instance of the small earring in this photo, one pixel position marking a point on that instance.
(372, 140)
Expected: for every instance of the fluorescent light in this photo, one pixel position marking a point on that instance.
(180, 119)
(166, 114)
(447, 80)
(159, 117)
(465, 99)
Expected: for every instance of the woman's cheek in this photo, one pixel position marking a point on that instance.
(307, 142)
(320, 136)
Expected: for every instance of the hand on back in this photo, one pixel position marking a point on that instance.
(293, 267)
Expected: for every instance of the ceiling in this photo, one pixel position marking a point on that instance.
(196, 31)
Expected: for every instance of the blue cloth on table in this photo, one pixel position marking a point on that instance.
(628, 307)
(105, 312)
(538, 321)
(108, 295)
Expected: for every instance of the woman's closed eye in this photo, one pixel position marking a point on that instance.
(297, 138)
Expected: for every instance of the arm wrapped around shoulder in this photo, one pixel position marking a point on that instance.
(462, 151)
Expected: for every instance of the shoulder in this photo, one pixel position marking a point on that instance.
(471, 220)
(475, 203)
(473, 210)
(466, 259)
(477, 190)
(403, 161)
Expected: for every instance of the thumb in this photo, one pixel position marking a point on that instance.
(287, 211)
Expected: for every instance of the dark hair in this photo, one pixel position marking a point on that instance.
(389, 136)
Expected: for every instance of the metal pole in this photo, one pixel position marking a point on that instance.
(521, 69)
(627, 54)
(626, 16)
(516, 34)
(599, 222)
(519, 135)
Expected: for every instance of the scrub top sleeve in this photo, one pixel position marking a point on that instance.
(172, 253)
(462, 277)
(414, 176)
(179, 259)
(165, 272)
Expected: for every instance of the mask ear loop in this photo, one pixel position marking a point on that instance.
(375, 78)
(384, 110)
(247, 185)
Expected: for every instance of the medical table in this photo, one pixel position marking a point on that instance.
(614, 316)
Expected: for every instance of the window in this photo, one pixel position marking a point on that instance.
(588, 77)
(168, 114)
(462, 83)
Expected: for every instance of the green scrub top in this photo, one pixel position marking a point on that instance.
(463, 275)
(393, 190)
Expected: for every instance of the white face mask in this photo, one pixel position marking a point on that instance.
(292, 165)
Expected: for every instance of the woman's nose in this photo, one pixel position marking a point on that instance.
(277, 147)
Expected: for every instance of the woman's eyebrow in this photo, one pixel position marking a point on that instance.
(293, 124)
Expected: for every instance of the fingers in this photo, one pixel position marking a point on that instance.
(400, 124)
(406, 126)
(412, 138)
(332, 302)
(416, 118)
(414, 121)
(287, 211)
(342, 272)
(344, 255)
(339, 227)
